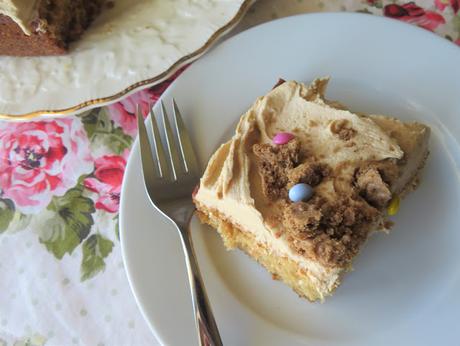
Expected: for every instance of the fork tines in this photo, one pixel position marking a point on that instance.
(180, 158)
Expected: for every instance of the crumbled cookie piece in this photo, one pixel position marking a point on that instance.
(274, 162)
(342, 215)
(343, 129)
(338, 252)
(372, 187)
(303, 219)
(329, 231)
(387, 225)
(311, 173)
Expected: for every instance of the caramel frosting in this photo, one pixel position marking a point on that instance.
(336, 137)
(20, 11)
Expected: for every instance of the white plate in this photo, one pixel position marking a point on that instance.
(134, 44)
(404, 290)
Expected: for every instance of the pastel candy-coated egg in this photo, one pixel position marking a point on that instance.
(300, 192)
(393, 207)
(282, 138)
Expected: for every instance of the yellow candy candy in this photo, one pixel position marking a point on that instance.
(393, 207)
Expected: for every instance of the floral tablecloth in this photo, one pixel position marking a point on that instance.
(62, 280)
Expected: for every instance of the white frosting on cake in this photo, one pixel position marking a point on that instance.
(20, 11)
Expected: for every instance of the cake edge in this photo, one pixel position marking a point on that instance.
(280, 267)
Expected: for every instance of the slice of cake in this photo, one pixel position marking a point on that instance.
(43, 27)
(303, 182)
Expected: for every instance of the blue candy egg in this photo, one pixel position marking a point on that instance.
(300, 192)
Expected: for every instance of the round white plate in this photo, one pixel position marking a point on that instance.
(404, 290)
(134, 44)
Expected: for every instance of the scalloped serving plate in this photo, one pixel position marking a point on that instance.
(405, 286)
(135, 44)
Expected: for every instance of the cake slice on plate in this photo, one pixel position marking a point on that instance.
(303, 182)
(43, 27)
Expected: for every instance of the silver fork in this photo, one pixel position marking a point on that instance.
(170, 177)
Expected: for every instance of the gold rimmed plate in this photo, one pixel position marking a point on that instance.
(130, 46)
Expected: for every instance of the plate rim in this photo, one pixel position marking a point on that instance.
(181, 62)
(124, 232)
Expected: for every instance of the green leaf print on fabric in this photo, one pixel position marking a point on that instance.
(19, 223)
(70, 224)
(91, 121)
(119, 141)
(102, 131)
(95, 249)
(116, 219)
(456, 22)
(11, 220)
(364, 10)
(34, 340)
(6, 213)
(374, 3)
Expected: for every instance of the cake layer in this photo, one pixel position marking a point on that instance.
(14, 42)
(281, 267)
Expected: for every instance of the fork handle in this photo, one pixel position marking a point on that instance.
(208, 333)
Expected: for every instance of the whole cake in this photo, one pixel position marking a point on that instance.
(303, 182)
(43, 27)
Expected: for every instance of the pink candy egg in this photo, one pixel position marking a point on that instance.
(282, 138)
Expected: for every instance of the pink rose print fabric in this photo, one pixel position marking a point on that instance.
(413, 14)
(106, 181)
(65, 173)
(39, 160)
(124, 112)
(443, 4)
